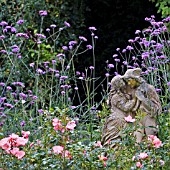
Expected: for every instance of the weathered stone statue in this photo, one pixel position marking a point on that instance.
(130, 95)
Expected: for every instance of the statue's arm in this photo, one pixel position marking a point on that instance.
(122, 103)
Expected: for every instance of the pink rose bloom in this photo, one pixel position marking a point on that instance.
(58, 149)
(25, 134)
(102, 158)
(57, 124)
(133, 158)
(14, 151)
(143, 155)
(129, 119)
(162, 162)
(71, 125)
(21, 141)
(157, 142)
(20, 154)
(13, 136)
(67, 154)
(139, 165)
(31, 144)
(4, 144)
(98, 143)
(151, 137)
(104, 164)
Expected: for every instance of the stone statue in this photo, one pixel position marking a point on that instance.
(130, 95)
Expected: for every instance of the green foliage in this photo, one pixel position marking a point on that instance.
(163, 7)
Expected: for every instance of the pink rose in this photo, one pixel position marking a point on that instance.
(129, 119)
(4, 144)
(98, 143)
(67, 154)
(58, 149)
(57, 124)
(71, 125)
(104, 164)
(102, 158)
(20, 154)
(157, 142)
(143, 155)
(21, 141)
(139, 165)
(25, 134)
(14, 151)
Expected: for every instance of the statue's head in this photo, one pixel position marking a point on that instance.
(132, 77)
(117, 82)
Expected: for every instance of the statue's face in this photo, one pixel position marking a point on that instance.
(133, 83)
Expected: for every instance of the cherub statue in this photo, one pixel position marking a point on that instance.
(129, 95)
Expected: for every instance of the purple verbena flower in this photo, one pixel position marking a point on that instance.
(145, 55)
(18, 84)
(8, 105)
(125, 63)
(91, 67)
(32, 64)
(129, 47)
(40, 36)
(53, 26)
(13, 30)
(2, 84)
(158, 90)
(107, 74)
(117, 60)
(63, 78)
(114, 55)
(34, 97)
(66, 24)
(75, 88)
(40, 111)
(110, 66)
(65, 48)
(8, 88)
(63, 92)
(48, 30)
(24, 35)
(15, 49)
(130, 40)
(72, 43)
(124, 50)
(2, 37)
(22, 123)
(2, 99)
(92, 28)
(137, 31)
(42, 13)
(21, 21)
(23, 96)
(3, 51)
(82, 38)
(78, 73)
(89, 47)
(3, 23)
(60, 54)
